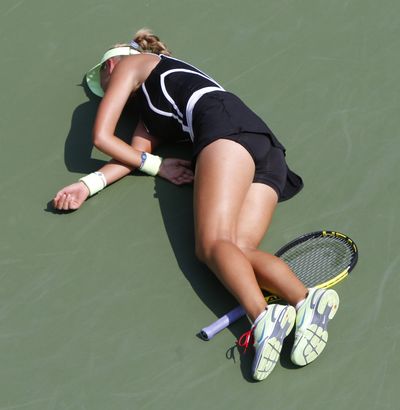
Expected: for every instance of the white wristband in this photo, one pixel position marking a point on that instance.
(95, 182)
(150, 164)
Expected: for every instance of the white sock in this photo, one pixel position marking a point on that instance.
(300, 304)
(260, 316)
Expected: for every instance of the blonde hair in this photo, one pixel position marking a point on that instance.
(149, 42)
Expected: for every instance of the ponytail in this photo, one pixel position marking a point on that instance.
(150, 43)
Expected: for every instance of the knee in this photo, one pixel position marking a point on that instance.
(247, 246)
(247, 242)
(206, 248)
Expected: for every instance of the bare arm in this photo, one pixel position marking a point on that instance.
(126, 78)
(141, 141)
(124, 81)
(72, 196)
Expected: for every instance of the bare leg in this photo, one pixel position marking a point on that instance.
(231, 217)
(272, 273)
(221, 187)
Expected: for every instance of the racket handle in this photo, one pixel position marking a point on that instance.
(207, 333)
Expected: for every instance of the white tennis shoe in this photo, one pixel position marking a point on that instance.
(268, 335)
(312, 319)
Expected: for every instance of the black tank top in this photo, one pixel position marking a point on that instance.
(169, 95)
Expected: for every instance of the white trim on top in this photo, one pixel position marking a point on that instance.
(191, 102)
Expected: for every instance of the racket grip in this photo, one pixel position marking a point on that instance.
(207, 333)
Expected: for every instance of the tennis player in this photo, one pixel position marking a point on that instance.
(240, 176)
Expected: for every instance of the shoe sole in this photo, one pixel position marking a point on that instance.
(311, 344)
(267, 355)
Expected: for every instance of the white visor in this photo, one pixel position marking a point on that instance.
(93, 75)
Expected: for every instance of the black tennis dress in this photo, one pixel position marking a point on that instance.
(180, 101)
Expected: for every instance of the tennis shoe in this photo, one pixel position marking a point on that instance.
(268, 335)
(311, 334)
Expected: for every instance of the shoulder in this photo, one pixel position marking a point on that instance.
(139, 66)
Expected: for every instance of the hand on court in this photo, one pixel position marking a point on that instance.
(71, 197)
(177, 171)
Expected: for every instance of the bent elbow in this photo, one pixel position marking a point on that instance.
(98, 140)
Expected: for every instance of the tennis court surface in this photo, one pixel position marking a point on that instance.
(100, 308)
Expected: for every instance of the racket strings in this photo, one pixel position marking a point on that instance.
(319, 259)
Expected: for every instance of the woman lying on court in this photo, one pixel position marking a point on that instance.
(240, 176)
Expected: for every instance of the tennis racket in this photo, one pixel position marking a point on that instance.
(319, 259)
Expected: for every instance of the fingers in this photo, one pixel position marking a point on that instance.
(61, 201)
(67, 199)
(184, 163)
(183, 177)
(71, 197)
(57, 199)
(181, 181)
(64, 201)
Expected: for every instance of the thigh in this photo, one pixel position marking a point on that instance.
(255, 215)
(224, 174)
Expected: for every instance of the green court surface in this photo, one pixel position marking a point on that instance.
(99, 309)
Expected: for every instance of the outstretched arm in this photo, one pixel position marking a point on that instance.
(177, 171)
(72, 196)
